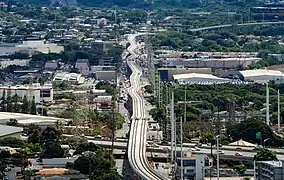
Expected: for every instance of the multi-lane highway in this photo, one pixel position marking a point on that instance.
(241, 24)
(137, 137)
(247, 153)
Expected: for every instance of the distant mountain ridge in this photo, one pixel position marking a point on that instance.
(84, 2)
(147, 3)
(64, 2)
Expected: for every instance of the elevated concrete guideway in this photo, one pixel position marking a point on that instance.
(137, 138)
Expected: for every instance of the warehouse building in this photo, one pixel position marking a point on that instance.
(40, 93)
(262, 75)
(71, 78)
(197, 78)
(10, 131)
(166, 74)
(207, 62)
(105, 75)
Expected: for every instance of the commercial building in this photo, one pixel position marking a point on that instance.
(17, 62)
(208, 62)
(106, 61)
(70, 78)
(94, 69)
(83, 66)
(197, 78)
(105, 75)
(51, 65)
(269, 170)
(154, 132)
(262, 75)
(31, 47)
(102, 45)
(267, 13)
(166, 74)
(40, 93)
(194, 166)
(10, 131)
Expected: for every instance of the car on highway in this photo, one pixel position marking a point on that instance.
(258, 148)
(198, 144)
(166, 149)
(238, 154)
(197, 149)
(221, 152)
(239, 148)
(155, 145)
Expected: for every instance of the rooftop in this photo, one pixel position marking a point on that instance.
(196, 75)
(65, 76)
(273, 163)
(261, 72)
(27, 119)
(8, 130)
(82, 61)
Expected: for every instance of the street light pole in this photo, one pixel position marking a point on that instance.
(278, 111)
(265, 141)
(267, 104)
(181, 151)
(218, 170)
(172, 128)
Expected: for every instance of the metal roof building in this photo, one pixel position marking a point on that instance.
(262, 75)
(9, 130)
(196, 78)
(74, 78)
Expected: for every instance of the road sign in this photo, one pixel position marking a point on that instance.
(258, 135)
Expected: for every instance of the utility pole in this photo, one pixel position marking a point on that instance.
(113, 123)
(278, 109)
(267, 104)
(115, 17)
(185, 103)
(159, 90)
(175, 123)
(218, 170)
(172, 129)
(181, 151)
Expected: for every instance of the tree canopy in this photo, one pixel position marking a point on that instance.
(265, 155)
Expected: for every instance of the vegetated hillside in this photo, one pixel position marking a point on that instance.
(150, 3)
(99, 3)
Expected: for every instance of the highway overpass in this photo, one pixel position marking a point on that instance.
(238, 25)
(229, 151)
